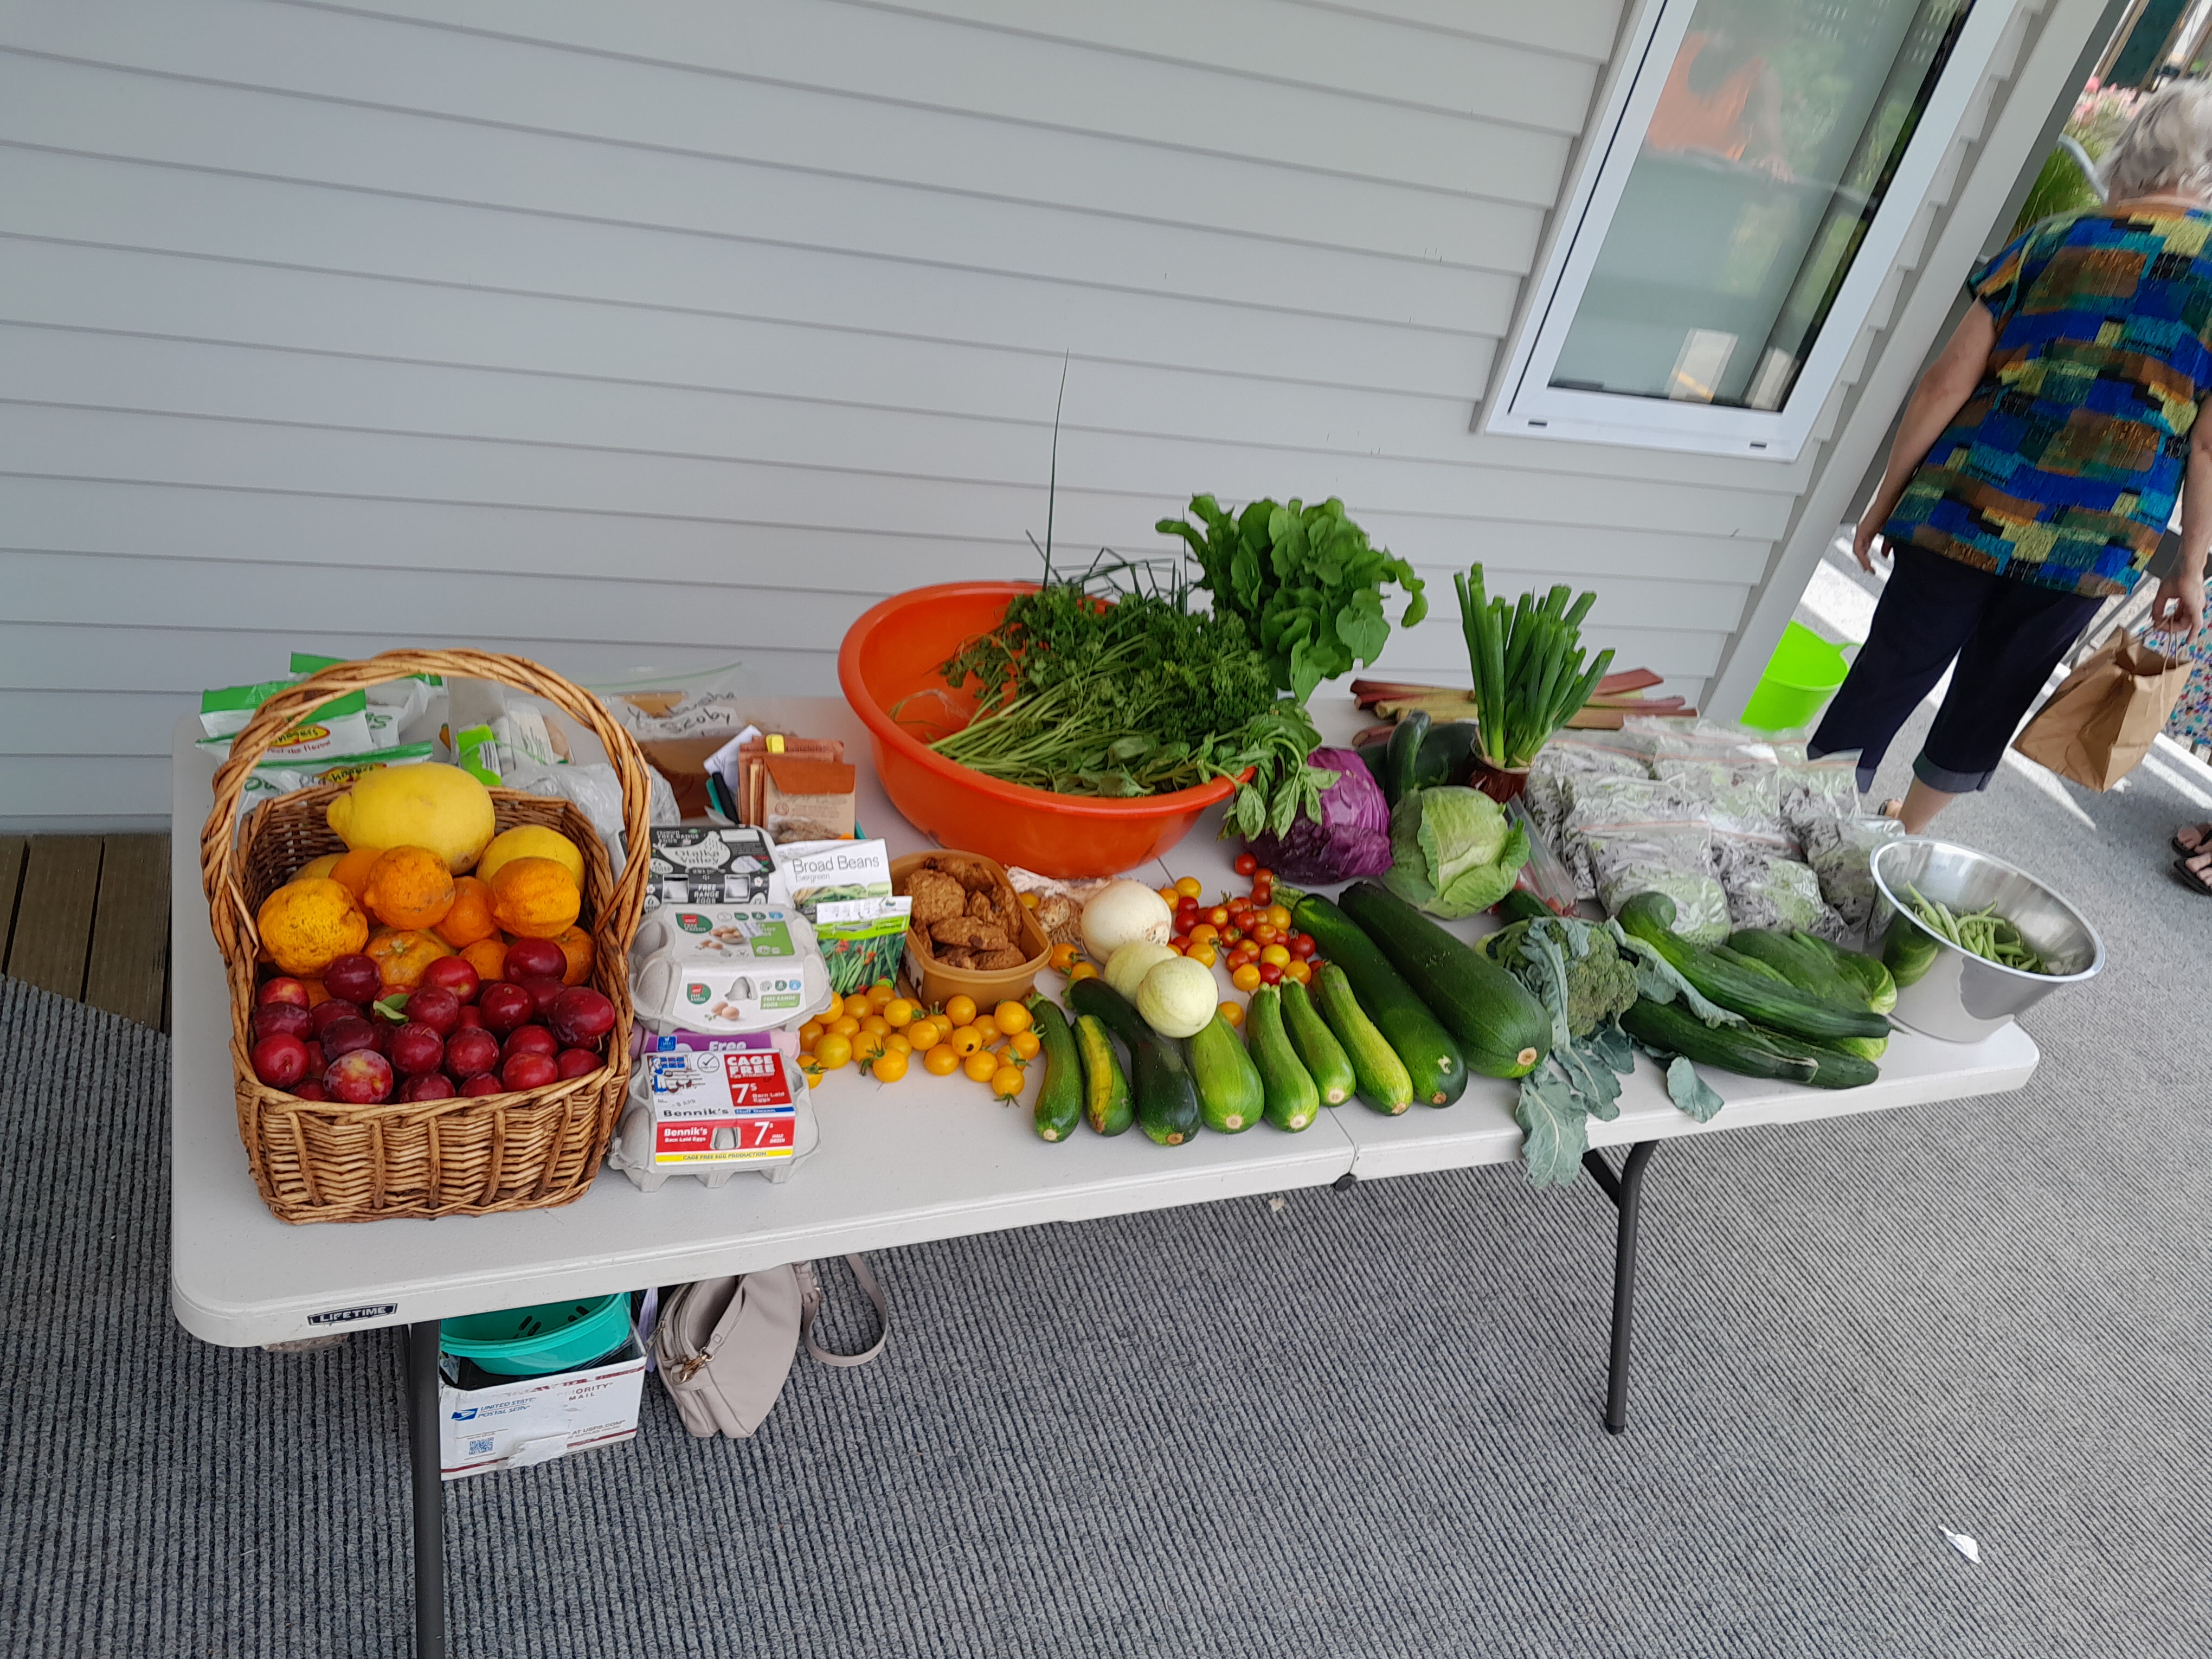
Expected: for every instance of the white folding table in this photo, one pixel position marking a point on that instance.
(925, 1159)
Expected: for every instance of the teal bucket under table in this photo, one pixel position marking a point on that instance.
(1801, 676)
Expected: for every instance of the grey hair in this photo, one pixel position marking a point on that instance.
(2167, 147)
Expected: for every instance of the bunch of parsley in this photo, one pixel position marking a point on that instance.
(1139, 695)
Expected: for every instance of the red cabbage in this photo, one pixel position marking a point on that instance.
(1352, 838)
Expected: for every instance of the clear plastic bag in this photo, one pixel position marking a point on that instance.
(1840, 851)
(1768, 888)
(1596, 799)
(1566, 758)
(1675, 859)
(598, 795)
(1817, 790)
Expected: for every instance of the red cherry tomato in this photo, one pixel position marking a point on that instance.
(1218, 915)
(1246, 864)
(1302, 944)
(1270, 974)
(1260, 873)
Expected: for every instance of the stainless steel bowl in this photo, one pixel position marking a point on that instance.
(1947, 992)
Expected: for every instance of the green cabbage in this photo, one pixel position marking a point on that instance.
(1453, 851)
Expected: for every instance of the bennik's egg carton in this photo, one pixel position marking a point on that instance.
(713, 1114)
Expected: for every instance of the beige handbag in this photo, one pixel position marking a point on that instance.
(723, 1347)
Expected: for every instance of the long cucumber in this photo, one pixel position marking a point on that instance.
(1757, 996)
(1673, 1028)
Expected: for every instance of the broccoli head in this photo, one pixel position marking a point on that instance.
(1600, 984)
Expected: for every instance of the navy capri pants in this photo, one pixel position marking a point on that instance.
(2007, 636)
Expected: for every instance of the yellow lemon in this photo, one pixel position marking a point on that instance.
(531, 840)
(440, 807)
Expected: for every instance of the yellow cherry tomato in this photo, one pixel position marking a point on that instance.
(1026, 1044)
(1006, 1082)
(808, 1034)
(1279, 918)
(941, 1061)
(811, 1069)
(845, 1026)
(988, 1025)
(1233, 1012)
(896, 1043)
(900, 1012)
(1063, 957)
(890, 1066)
(1298, 971)
(1012, 1017)
(1204, 955)
(965, 1040)
(1205, 933)
(1172, 896)
(1277, 954)
(876, 1025)
(1029, 901)
(1246, 978)
(856, 1007)
(981, 1065)
(1082, 970)
(867, 1045)
(834, 1050)
(1189, 886)
(924, 1035)
(961, 1010)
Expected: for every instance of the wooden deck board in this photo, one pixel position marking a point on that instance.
(127, 970)
(13, 851)
(52, 936)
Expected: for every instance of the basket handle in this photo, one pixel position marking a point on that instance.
(229, 912)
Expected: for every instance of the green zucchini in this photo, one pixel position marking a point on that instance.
(1756, 996)
(1291, 1098)
(1401, 760)
(1384, 1083)
(1431, 1056)
(1325, 1059)
(1106, 1102)
(1501, 1030)
(1447, 754)
(1059, 1098)
(1230, 1093)
(1166, 1094)
(1674, 1029)
(1866, 971)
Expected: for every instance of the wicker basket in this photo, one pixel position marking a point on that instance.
(480, 1155)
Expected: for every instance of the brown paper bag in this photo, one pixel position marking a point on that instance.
(2101, 720)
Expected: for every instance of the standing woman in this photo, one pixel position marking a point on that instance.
(2038, 462)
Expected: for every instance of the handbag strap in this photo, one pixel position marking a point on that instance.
(811, 1303)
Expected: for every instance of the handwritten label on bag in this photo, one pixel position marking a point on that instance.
(722, 1107)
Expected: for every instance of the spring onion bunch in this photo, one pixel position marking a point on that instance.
(1528, 662)
(1983, 933)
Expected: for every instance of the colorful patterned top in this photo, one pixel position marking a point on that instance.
(2063, 467)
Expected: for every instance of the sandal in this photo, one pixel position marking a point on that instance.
(2188, 875)
(2191, 838)
(1893, 808)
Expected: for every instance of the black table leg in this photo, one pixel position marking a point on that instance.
(429, 1490)
(1626, 1189)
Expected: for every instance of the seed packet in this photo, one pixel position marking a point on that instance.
(809, 873)
(862, 941)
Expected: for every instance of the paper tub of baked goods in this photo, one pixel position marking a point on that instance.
(970, 934)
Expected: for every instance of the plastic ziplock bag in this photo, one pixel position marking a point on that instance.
(1676, 858)
(1841, 853)
(1768, 888)
(272, 778)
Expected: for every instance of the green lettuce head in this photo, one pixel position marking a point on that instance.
(1454, 852)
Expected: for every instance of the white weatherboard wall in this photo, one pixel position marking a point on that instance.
(659, 334)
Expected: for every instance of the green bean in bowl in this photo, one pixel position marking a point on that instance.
(1982, 933)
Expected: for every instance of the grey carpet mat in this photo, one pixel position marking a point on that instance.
(1363, 1424)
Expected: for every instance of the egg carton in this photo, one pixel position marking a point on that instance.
(692, 1102)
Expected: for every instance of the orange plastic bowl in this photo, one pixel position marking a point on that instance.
(893, 653)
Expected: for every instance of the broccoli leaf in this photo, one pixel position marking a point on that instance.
(1554, 1130)
(1691, 1092)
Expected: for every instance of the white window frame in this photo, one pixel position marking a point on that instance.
(1526, 404)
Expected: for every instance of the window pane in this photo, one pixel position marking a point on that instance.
(1780, 127)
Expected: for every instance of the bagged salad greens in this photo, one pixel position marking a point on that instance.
(1766, 887)
(1840, 851)
(1676, 858)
